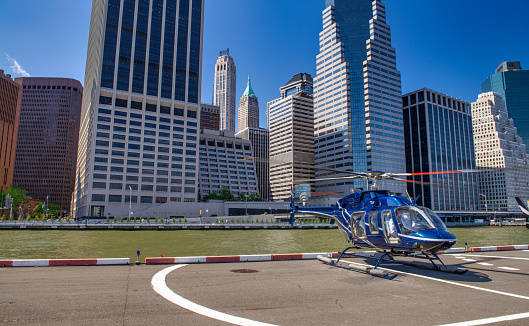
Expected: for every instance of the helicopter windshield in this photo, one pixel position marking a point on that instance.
(435, 219)
(412, 220)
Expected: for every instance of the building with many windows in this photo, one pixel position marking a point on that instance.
(10, 101)
(48, 134)
(248, 109)
(438, 137)
(225, 89)
(291, 126)
(209, 117)
(357, 97)
(512, 83)
(498, 147)
(259, 138)
(226, 162)
(138, 141)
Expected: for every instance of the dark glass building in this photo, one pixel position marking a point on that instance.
(438, 137)
(48, 134)
(512, 83)
(140, 116)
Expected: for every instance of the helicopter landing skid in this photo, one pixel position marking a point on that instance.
(360, 268)
(437, 267)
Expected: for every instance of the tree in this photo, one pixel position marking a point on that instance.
(241, 197)
(226, 195)
(53, 210)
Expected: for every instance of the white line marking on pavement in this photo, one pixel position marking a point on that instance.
(502, 257)
(159, 286)
(490, 320)
(509, 268)
(448, 282)
(466, 259)
(485, 264)
(459, 257)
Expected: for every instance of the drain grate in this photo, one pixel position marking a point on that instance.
(244, 270)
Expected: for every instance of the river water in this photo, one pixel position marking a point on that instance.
(56, 244)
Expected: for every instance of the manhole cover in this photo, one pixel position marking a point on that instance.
(244, 271)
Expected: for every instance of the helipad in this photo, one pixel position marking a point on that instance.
(304, 292)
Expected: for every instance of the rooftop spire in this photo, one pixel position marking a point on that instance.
(249, 90)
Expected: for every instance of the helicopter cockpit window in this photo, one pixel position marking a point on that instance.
(373, 222)
(357, 222)
(387, 202)
(412, 220)
(435, 219)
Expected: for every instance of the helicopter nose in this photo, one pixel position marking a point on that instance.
(436, 235)
(434, 240)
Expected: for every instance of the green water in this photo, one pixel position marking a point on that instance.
(29, 244)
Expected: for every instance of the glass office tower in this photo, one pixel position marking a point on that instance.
(357, 96)
(512, 83)
(139, 122)
(438, 133)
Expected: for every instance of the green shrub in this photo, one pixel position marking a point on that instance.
(180, 220)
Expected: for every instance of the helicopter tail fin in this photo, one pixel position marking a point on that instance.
(292, 207)
(413, 202)
(523, 207)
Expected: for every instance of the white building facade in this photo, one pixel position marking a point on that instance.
(224, 90)
(291, 126)
(498, 147)
(138, 142)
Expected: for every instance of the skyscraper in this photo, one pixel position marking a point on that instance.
(259, 139)
(209, 116)
(139, 120)
(48, 135)
(10, 100)
(248, 109)
(499, 148)
(357, 96)
(512, 83)
(438, 134)
(224, 89)
(291, 126)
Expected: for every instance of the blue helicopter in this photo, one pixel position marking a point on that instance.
(391, 225)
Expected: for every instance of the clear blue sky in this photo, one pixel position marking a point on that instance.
(450, 46)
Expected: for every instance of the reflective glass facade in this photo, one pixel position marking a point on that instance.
(513, 86)
(357, 96)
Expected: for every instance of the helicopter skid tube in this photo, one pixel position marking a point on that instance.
(359, 268)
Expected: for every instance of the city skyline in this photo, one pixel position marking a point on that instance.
(451, 59)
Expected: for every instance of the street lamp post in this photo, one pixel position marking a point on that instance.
(130, 201)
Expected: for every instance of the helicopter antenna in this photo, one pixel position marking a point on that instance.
(407, 193)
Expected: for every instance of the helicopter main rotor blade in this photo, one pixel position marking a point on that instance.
(300, 181)
(313, 167)
(410, 181)
(438, 172)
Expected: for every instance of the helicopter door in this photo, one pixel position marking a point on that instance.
(373, 222)
(358, 225)
(389, 227)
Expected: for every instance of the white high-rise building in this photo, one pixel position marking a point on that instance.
(224, 90)
(138, 140)
(357, 97)
(498, 147)
(291, 125)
